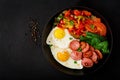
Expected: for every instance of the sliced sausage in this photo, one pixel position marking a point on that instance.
(87, 54)
(87, 62)
(74, 45)
(82, 45)
(94, 57)
(86, 48)
(91, 48)
(76, 55)
(100, 56)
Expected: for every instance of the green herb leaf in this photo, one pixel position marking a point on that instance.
(54, 24)
(71, 23)
(59, 17)
(95, 41)
(70, 38)
(50, 45)
(92, 26)
(79, 49)
(75, 62)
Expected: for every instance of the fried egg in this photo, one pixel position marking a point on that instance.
(62, 56)
(59, 39)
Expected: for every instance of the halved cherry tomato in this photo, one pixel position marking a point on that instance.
(101, 28)
(86, 13)
(61, 21)
(76, 12)
(67, 13)
(95, 19)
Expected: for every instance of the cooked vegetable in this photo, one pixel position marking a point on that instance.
(59, 17)
(92, 26)
(96, 41)
(103, 46)
(71, 23)
(80, 21)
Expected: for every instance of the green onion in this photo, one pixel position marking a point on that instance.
(59, 17)
(70, 38)
(79, 49)
(71, 23)
(92, 26)
(50, 45)
(75, 62)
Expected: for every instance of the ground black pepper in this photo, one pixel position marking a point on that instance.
(34, 30)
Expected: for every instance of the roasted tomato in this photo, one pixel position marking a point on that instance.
(76, 12)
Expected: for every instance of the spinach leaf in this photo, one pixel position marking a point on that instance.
(95, 41)
(103, 46)
(95, 35)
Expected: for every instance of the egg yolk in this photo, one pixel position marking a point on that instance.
(63, 56)
(59, 33)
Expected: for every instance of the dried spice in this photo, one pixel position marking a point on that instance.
(34, 30)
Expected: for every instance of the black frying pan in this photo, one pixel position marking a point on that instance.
(53, 62)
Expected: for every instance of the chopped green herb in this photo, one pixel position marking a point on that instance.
(79, 49)
(70, 38)
(59, 17)
(55, 24)
(80, 17)
(71, 23)
(75, 62)
(92, 26)
(50, 45)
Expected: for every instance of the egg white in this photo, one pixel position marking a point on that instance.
(60, 45)
(70, 62)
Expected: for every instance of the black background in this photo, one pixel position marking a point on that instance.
(21, 59)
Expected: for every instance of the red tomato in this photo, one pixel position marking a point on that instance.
(101, 28)
(95, 19)
(59, 25)
(67, 13)
(86, 13)
(61, 21)
(76, 12)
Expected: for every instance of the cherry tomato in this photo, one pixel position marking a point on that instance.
(67, 13)
(76, 12)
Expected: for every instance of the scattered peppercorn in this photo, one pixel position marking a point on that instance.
(34, 30)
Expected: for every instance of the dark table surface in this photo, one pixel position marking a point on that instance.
(21, 59)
